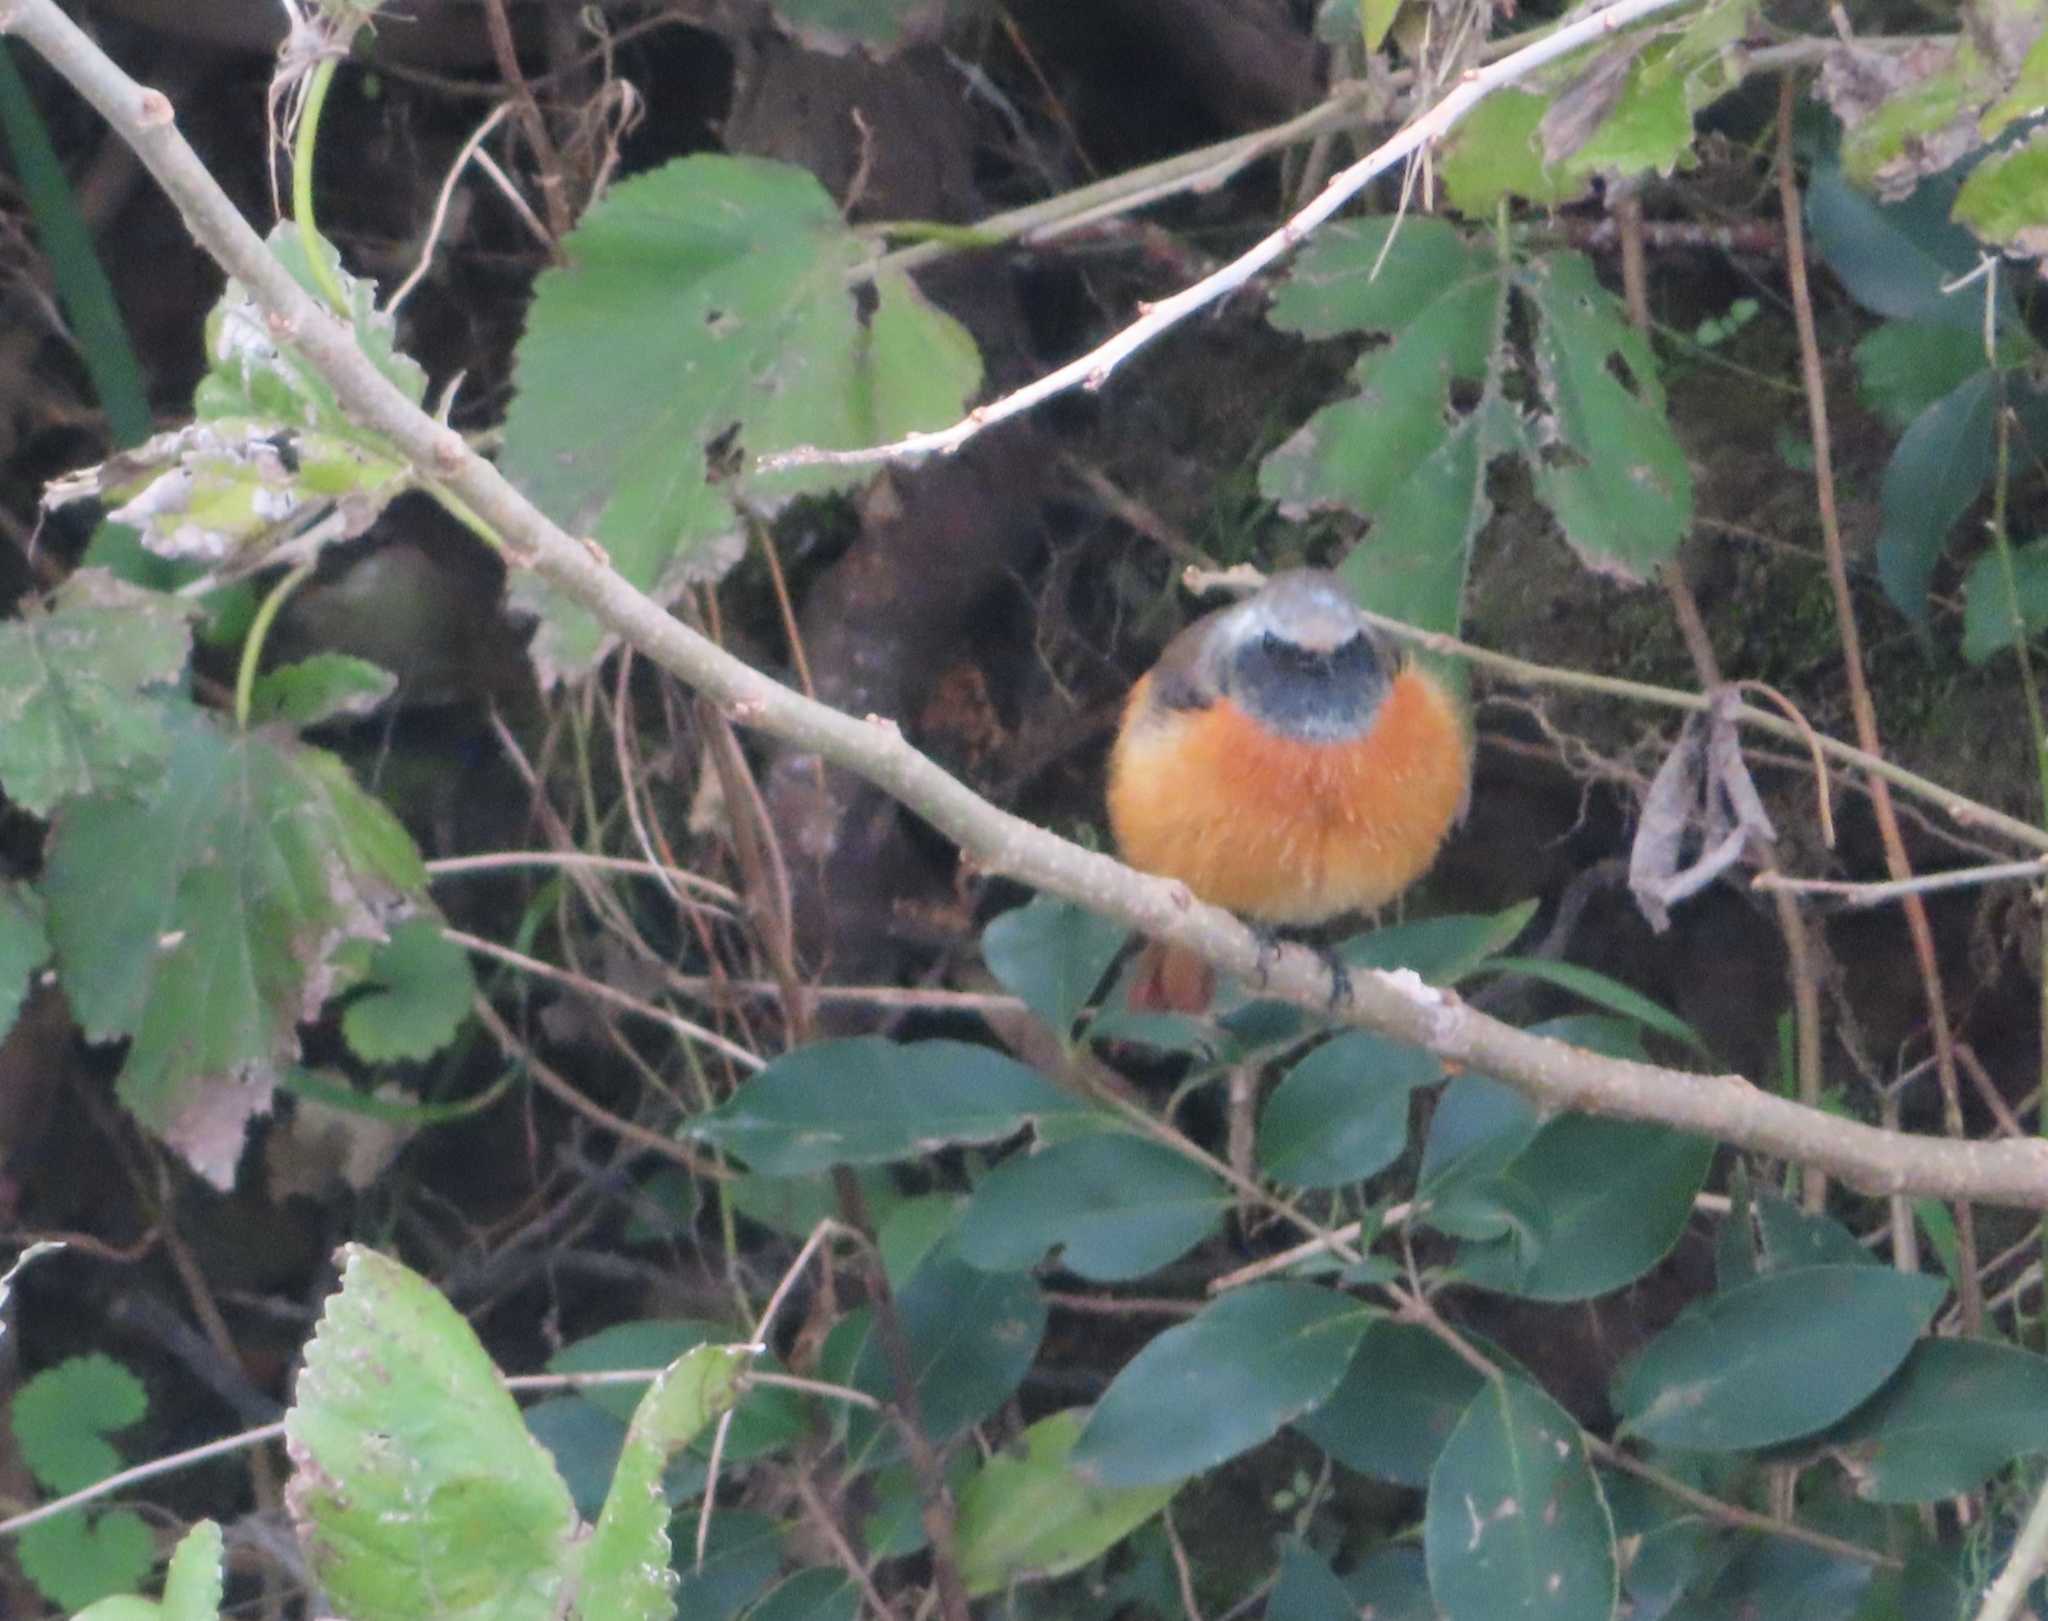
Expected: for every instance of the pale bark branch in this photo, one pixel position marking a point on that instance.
(1398, 1005)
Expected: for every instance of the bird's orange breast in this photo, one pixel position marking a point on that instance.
(1282, 830)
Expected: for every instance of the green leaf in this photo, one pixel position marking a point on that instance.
(1478, 1127)
(1958, 1411)
(1775, 1359)
(1052, 954)
(1614, 476)
(61, 1416)
(1027, 1513)
(1988, 623)
(1220, 1383)
(767, 1420)
(1341, 1114)
(1121, 1206)
(1903, 367)
(420, 992)
(1516, 1523)
(1307, 1589)
(1601, 991)
(1936, 471)
(741, 1557)
(193, 1586)
(865, 1101)
(200, 919)
(75, 712)
(24, 947)
(704, 318)
(416, 1488)
(819, 1594)
(971, 1337)
(834, 25)
(1607, 1199)
(1896, 259)
(909, 1234)
(78, 1561)
(1400, 1399)
(327, 686)
(1788, 1237)
(1443, 950)
(626, 1574)
(1395, 451)
(1494, 154)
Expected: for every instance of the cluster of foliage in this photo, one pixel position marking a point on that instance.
(213, 882)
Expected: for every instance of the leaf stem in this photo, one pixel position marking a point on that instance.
(303, 145)
(259, 632)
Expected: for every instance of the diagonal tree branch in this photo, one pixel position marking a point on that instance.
(1398, 1004)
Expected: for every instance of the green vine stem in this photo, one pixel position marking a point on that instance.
(259, 633)
(304, 143)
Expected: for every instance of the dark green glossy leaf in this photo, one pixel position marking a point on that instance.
(1789, 1237)
(1120, 1206)
(1443, 950)
(1609, 1197)
(865, 1101)
(818, 1594)
(1341, 1114)
(1052, 954)
(1604, 992)
(1894, 258)
(1220, 1384)
(1515, 1523)
(1479, 1126)
(1782, 1357)
(1401, 1397)
(1308, 1590)
(1936, 471)
(1958, 1411)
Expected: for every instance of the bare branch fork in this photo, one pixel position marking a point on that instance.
(1558, 1076)
(1092, 369)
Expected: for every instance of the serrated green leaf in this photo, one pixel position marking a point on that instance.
(421, 990)
(1340, 1115)
(1989, 625)
(1493, 154)
(315, 690)
(2028, 92)
(78, 1561)
(704, 318)
(24, 947)
(193, 1586)
(1781, 1357)
(1516, 1523)
(199, 919)
(1121, 1206)
(1395, 452)
(1936, 471)
(1616, 478)
(1052, 954)
(1399, 1401)
(1026, 1512)
(76, 713)
(416, 1487)
(61, 1416)
(767, 1420)
(2005, 199)
(1958, 1411)
(866, 1100)
(1220, 1383)
(626, 1573)
(1606, 1200)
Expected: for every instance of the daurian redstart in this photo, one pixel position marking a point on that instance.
(1284, 760)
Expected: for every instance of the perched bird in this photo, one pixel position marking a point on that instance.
(1282, 759)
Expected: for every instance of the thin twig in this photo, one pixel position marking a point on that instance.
(1860, 702)
(1093, 369)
